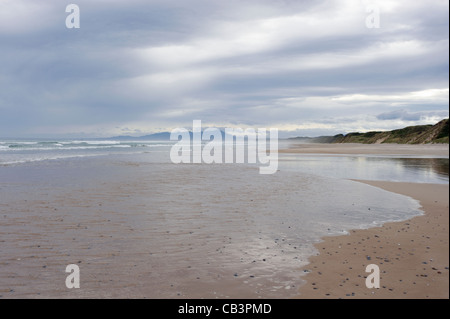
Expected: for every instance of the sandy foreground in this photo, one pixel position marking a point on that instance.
(413, 255)
(99, 215)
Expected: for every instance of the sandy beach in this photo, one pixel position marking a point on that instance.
(161, 150)
(413, 256)
(139, 226)
(379, 149)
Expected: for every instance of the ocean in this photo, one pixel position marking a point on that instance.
(140, 226)
(18, 151)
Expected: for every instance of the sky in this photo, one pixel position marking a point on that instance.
(136, 67)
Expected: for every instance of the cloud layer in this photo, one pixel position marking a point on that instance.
(306, 67)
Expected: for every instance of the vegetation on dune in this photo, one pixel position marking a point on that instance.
(419, 134)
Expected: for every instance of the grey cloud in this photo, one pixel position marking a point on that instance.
(52, 76)
(400, 115)
(405, 115)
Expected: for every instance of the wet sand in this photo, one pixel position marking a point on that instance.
(139, 229)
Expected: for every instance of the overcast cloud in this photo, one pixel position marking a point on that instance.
(137, 67)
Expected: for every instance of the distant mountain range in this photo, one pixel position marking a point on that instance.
(419, 134)
(163, 136)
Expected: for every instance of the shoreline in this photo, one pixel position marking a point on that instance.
(438, 150)
(98, 213)
(413, 255)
